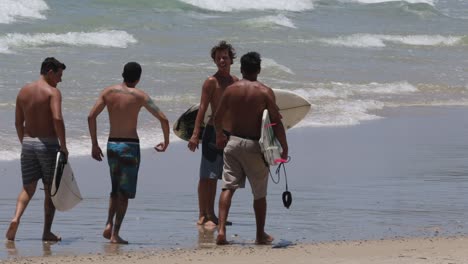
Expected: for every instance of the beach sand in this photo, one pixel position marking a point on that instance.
(401, 251)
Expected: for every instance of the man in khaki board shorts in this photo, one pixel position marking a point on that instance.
(41, 131)
(211, 166)
(124, 102)
(244, 102)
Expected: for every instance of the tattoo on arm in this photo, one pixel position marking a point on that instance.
(152, 105)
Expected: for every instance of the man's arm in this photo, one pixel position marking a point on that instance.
(221, 138)
(149, 104)
(59, 126)
(207, 92)
(275, 117)
(100, 104)
(19, 121)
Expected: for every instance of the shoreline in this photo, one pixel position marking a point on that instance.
(412, 251)
(406, 182)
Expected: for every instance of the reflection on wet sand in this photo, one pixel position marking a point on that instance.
(112, 248)
(206, 236)
(47, 248)
(11, 248)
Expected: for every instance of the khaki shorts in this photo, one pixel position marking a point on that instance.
(244, 159)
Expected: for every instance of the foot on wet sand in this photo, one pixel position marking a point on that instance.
(50, 237)
(11, 232)
(221, 240)
(265, 239)
(209, 224)
(107, 232)
(215, 221)
(201, 220)
(118, 240)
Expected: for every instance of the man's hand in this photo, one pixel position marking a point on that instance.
(96, 153)
(284, 154)
(161, 147)
(193, 143)
(221, 140)
(64, 150)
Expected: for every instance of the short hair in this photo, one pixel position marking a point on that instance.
(251, 62)
(51, 63)
(223, 45)
(131, 72)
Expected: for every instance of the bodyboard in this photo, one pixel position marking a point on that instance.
(271, 148)
(64, 191)
(183, 127)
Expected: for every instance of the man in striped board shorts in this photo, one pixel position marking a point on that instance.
(41, 131)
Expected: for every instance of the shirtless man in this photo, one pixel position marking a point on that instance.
(211, 166)
(244, 102)
(40, 128)
(123, 102)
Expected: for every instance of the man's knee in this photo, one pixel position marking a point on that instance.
(30, 189)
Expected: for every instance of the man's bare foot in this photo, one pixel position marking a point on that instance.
(201, 220)
(107, 231)
(221, 240)
(11, 232)
(215, 221)
(209, 224)
(265, 239)
(50, 237)
(118, 240)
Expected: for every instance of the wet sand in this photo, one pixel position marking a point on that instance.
(398, 251)
(404, 176)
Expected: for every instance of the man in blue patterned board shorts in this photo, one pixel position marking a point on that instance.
(123, 101)
(211, 166)
(123, 156)
(41, 131)
(244, 101)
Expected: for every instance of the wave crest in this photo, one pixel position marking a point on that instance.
(10, 10)
(110, 38)
(379, 41)
(231, 5)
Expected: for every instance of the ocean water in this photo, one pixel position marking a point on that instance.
(355, 60)
(347, 57)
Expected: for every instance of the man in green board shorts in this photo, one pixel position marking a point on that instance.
(244, 101)
(40, 128)
(123, 102)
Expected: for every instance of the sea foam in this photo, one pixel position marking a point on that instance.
(380, 41)
(270, 21)
(429, 2)
(11, 10)
(232, 5)
(109, 38)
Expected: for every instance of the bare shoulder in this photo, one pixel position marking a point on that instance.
(234, 86)
(211, 81)
(25, 88)
(140, 94)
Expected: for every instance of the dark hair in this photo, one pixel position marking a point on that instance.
(131, 72)
(53, 64)
(250, 62)
(223, 45)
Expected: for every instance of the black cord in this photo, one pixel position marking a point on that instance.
(278, 172)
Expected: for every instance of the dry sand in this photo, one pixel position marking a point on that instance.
(401, 251)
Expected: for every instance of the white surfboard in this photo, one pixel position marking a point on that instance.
(269, 144)
(293, 108)
(64, 192)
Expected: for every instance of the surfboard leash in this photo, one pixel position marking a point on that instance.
(287, 197)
